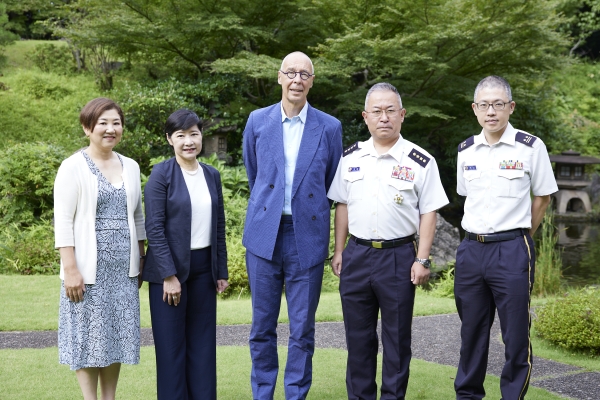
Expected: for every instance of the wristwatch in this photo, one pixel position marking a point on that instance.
(426, 262)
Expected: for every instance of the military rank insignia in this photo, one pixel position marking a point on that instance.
(403, 173)
(510, 164)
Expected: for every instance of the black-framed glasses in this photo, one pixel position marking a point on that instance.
(378, 113)
(292, 74)
(497, 105)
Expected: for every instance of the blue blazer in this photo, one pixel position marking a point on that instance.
(168, 223)
(318, 157)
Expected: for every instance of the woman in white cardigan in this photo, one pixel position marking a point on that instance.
(99, 231)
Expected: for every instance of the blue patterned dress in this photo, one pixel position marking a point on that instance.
(104, 328)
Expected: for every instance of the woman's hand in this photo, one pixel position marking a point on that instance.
(74, 286)
(172, 290)
(222, 285)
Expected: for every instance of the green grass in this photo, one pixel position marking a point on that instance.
(35, 374)
(31, 303)
(545, 349)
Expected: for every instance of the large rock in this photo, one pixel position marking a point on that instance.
(447, 239)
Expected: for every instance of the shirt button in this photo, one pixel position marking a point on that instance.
(271, 186)
(310, 195)
(314, 217)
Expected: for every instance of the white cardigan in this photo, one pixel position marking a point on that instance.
(75, 203)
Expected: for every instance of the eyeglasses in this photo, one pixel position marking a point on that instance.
(379, 113)
(497, 105)
(292, 74)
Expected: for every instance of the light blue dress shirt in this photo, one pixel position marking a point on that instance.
(293, 128)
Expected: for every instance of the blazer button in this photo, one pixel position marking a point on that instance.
(310, 195)
(271, 186)
(314, 217)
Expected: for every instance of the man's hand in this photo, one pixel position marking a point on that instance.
(336, 263)
(419, 275)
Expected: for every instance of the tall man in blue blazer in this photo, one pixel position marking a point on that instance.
(291, 152)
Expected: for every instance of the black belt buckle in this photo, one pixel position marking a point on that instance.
(481, 238)
(376, 244)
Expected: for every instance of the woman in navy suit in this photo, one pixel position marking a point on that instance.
(186, 263)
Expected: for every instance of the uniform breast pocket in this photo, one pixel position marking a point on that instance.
(356, 185)
(399, 191)
(473, 180)
(509, 182)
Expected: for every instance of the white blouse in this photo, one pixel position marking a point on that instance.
(201, 208)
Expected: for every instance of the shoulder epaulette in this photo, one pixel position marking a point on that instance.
(418, 157)
(525, 138)
(466, 144)
(353, 147)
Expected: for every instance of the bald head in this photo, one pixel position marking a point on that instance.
(295, 57)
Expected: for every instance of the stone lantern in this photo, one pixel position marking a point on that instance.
(572, 182)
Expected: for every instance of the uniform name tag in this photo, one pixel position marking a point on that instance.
(403, 173)
(353, 169)
(510, 164)
(470, 167)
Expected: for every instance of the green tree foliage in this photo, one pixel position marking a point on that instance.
(27, 173)
(575, 108)
(26, 17)
(216, 100)
(6, 37)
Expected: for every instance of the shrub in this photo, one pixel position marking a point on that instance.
(573, 321)
(147, 108)
(54, 58)
(43, 87)
(27, 173)
(29, 250)
(444, 285)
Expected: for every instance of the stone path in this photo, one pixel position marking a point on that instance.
(435, 339)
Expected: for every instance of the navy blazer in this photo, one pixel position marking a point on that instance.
(169, 223)
(318, 157)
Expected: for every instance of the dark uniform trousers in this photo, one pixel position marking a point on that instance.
(374, 279)
(489, 276)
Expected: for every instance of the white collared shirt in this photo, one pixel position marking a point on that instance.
(497, 180)
(386, 194)
(292, 137)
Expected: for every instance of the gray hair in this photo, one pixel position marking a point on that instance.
(493, 81)
(382, 86)
(298, 52)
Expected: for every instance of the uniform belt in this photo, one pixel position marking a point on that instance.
(498, 236)
(383, 244)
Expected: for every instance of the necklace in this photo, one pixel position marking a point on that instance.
(194, 172)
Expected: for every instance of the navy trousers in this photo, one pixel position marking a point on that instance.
(489, 276)
(302, 292)
(185, 337)
(372, 280)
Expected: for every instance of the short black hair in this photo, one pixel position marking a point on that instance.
(181, 120)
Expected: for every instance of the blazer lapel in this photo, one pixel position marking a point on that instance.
(274, 134)
(308, 147)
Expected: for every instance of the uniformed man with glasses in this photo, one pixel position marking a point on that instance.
(507, 179)
(387, 190)
(291, 151)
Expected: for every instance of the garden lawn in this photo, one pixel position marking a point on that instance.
(30, 303)
(35, 374)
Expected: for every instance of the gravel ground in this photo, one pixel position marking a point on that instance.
(435, 339)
